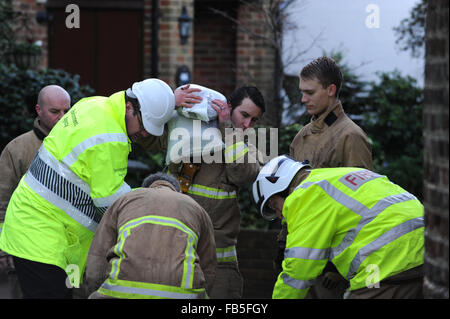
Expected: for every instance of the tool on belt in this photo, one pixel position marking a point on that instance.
(186, 175)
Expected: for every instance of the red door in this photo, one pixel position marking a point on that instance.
(106, 50)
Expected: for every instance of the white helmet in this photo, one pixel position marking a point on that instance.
(274, 178)
(157, 103)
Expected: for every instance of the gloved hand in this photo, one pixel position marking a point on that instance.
(333, 280)
(278, 261)
(6, 263)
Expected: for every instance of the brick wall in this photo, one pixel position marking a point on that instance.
(255, 54)
(436, 163)
(231, 47)
(226, 54)
(215, 46)
(256, 250)
(31, 30)
(147, 40)
(172, 54)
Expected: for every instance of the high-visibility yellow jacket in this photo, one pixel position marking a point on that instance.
(368, 227)
(78, 172)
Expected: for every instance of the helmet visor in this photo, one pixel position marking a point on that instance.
(267, 212)
(261, 203)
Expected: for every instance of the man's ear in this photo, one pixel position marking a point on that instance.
(331, 90)
(38, 109)
(129, 107)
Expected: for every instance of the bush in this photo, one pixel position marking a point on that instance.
(18, 95)
(393, 122)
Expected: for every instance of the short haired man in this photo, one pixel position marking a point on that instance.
(77, 174)
(52, 103)
(154, 242)
(331, 139)
(371, 229)
(215, 185)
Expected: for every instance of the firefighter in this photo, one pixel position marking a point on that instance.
(371, 229)
(331, 139)
(215, 186)
(52, 103)
(154, 242)
(77, 173)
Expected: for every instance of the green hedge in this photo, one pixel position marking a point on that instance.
(18, 95)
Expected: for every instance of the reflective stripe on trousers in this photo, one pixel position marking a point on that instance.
(138, 290)
(226, 254)
(189, 260)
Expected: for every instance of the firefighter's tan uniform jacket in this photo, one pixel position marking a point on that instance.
(332, 140)
(152, 243)
(215, 187)
(15, 159)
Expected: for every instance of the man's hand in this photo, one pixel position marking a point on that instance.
(333, 280)
(223, 110)
(184, 97)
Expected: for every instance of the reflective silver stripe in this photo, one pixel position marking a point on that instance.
(62, 169)
(358, 208)
(54, 182)
(296, 283)
(126, 230)
(222, 253)
(338, 196)
(210, 192)
(306, 253)
(59, 202)
(93, 141)
(107, 201)
(235, 151)
(118, 249)
(226, 254)
(367, 217)
(388, 237)
(153, 292)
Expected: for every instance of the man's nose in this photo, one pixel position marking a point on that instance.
(60, 115)
(247, 123)
(304, 99)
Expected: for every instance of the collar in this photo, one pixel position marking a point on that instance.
(327, 118)
(40, 132)
(162, 184)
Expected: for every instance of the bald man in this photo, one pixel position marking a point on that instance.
(53, 102)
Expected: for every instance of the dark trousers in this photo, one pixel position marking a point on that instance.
(41, 281)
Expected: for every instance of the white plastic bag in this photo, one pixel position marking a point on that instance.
(193, 133)
(193, 141)
(203, 110)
